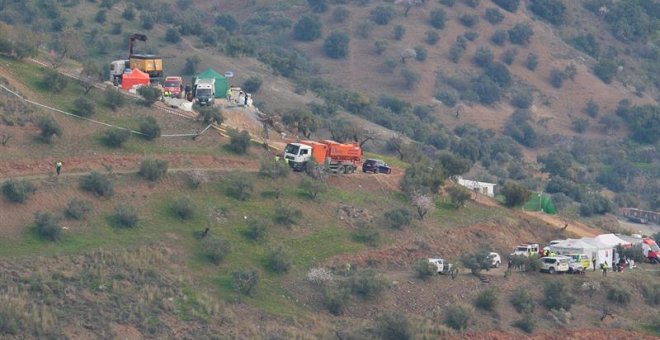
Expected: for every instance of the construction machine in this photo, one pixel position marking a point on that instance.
(148, 63)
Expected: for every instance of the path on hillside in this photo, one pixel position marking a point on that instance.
(575, 227)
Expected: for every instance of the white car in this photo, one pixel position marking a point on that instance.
(495, 259)
(526, 249)
(443, 267)
(555, 264)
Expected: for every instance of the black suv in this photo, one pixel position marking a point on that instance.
(376, 166)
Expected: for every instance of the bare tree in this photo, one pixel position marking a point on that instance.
(4, 138)
(90, 75)
(396, 144)
(408, 4)
(422, 202)
(407, 53)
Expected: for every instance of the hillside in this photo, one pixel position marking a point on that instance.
(154, 234)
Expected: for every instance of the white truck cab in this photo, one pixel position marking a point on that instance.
(205, 91)
(297, 154)
(117, 70)
(443, 267)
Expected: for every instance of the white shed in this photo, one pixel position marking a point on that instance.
(483, 188)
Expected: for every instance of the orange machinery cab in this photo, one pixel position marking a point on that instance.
(343, 152)
(319, 150)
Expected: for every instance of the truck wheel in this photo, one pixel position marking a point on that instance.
(341, 169)
(551, 270)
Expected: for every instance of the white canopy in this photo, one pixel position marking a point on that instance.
(605, 245)
(573, 246)
(611, 240)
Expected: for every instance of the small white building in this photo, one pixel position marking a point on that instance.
(483, 188)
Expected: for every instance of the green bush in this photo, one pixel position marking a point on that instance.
(340, 14)
(382, 15)
(477, 262)
(398, 218)
(278, 260)
(115, 138)
(308, 28)
(210, 114)
(334, 299)
(274, 169)
(458, 317)
(509, 56)
(257, 229)
(424, 269)
(149, 128)
(494, 16)
(77, 208)
(216, 249)
(245, 281)
(227, 21)
(239, 142)
(532, 61)
(448, 98)
(448, 3)
(420, 53)
(437, 18)
(591, 108)
(48, 128)
(557, 77)
(286, 215)
(336, 45)
(149, 95)
(522, 99)
(553, 11)
(252, 84)
(499, 37)
(431, 37)
(172, 35)
(393, 326)
(83, 107)
(459, 195)
(651, 293)
(579, 125)
(125, 216)
(153, 169)
(53, 81)
(619, 295)
(520, 34)
(398, 31)
(17, 191)
(556, 295)
(98, 184)
(366, 283)
(183, 208)
(522, 300)
(48, 226)
(515, 194)
(486, 300)
(367, 233)
(114, 99)
(312, 187)
(239, 186)
(509, 5)
(526, 324)
(605, 69)
(318, 6)
(469, 20)
(410, 78)
(483, 57)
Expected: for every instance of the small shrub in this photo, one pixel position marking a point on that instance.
(458, 317)
(367, 233)
(308, 28)
(515, 194)
(494, 16)
(53, 81)
(278, 260)
(431, 37)
(448, 3)
(17, 191)
(97, 184)
(398, 218)
(334, 299)
(483, 57)
(437, 18)
(605, 69)
(477, 262)
(556, 295)
(149, 95)
(239, 186)
(210, 114)
(592, 108)
(424, 269)
(340, 14)
(420, 53)
(486, 300)
(245, 281)
(366, 283)
(183, 208)
(336, 45)
(252, 84)
(499, 37)
(114, 99)
(651, 293)
(83, 107)
(274, 169)
(257, 229)
(580, 125)
(526, 324)
(557, 77)
(77, 208)
(125, 216)
(393, 326)
(509, 5)
(398, 31)
(382, 15)
(469, 20)
(149, 128)
(380, 46)
(196, 178)
(521, 34)
(410, 78)
(49, 128)
(172, 35)
(115, 138)
(239, 142)
(522, 300)
(471, 35)
(532, 61)
(153, 169)
(286, 215)
(459, 195)
(449, 99)
(619, 295)
(522, 99)
(48, 226)
(216, 249)
(509, 56)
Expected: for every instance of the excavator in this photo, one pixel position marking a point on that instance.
(148, 63)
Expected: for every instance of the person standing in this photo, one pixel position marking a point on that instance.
(58, 167)
(604, 266)
(593, 260)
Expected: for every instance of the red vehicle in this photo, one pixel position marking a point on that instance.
(651, 250)
(173, 86)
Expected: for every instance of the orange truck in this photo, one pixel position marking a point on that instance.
(340, 158)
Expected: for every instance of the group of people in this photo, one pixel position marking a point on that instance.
(243, 98)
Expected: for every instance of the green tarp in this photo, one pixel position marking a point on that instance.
(221, 84)
(539, 202)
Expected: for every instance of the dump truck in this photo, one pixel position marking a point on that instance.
(204, 91)
(147, 63)
(173, 85)
(338, 157)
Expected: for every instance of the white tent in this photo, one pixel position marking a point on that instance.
(573, 246)
(604, 249)
(611, 240)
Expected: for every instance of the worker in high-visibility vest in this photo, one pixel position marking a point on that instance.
(58, 167)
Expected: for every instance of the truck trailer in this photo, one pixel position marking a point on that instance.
(338, 157)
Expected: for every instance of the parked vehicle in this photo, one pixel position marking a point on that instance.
(651, 250)
(147, 63)
(442, 266)
(173, 85)
(495, 259)
(575, 267)
(555, 264)
(582, 259)
(527, 249)
(338, 157)
(204, 91)
(376, 166)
